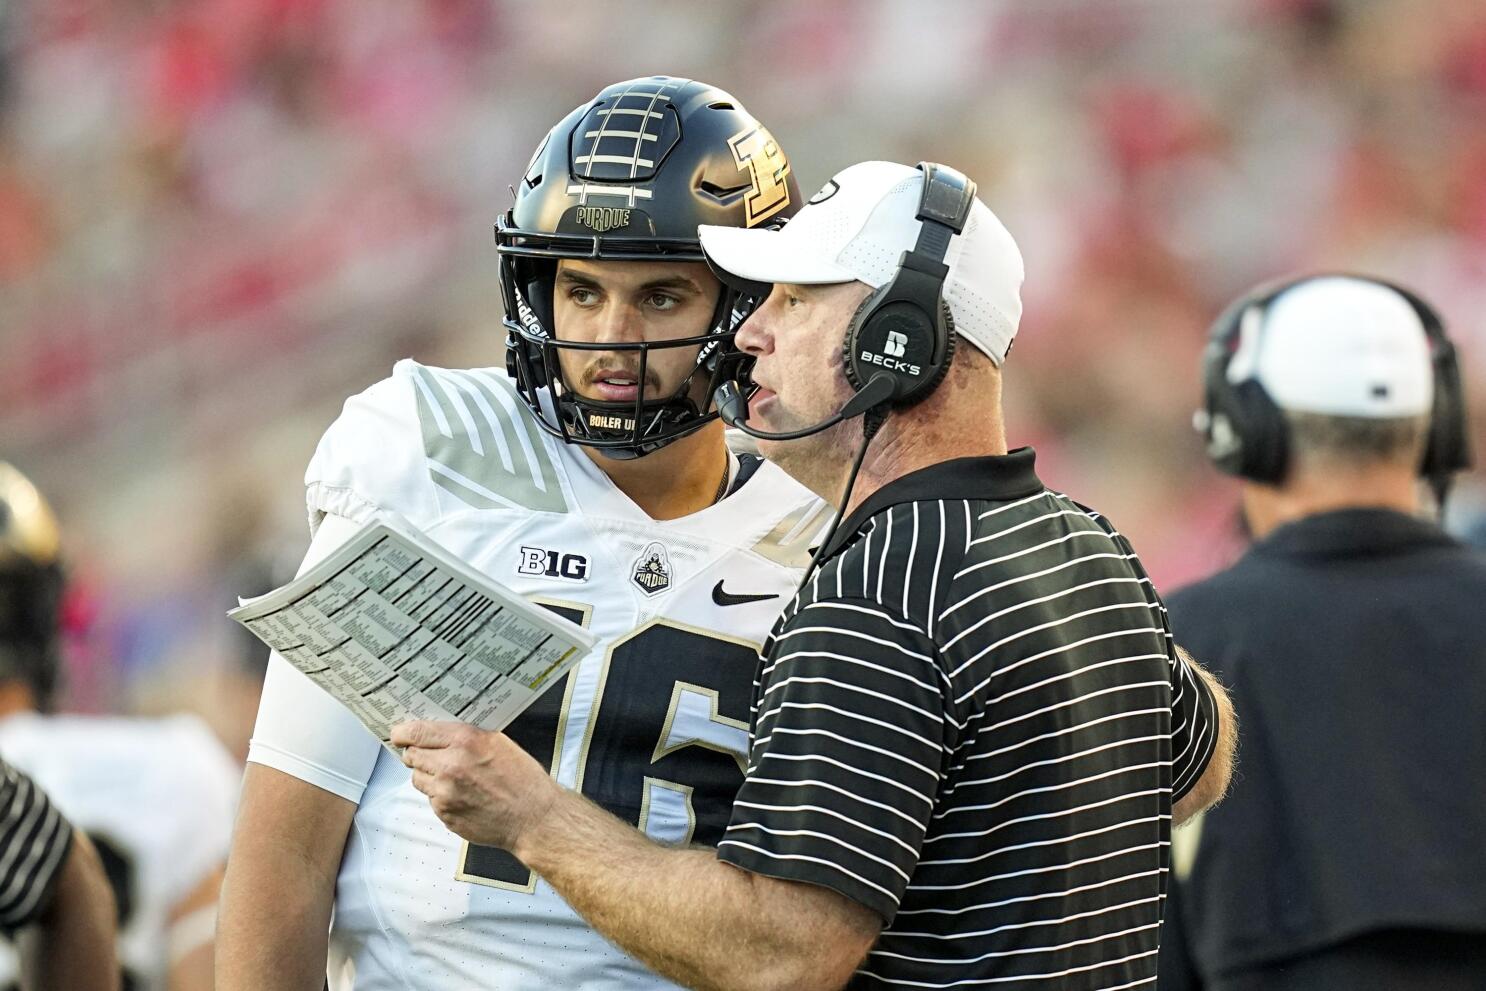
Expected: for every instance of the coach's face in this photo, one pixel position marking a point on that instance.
(796, 336)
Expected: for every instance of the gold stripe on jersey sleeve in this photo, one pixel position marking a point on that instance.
(790, 541)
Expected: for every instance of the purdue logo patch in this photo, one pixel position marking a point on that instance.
(652, 573)
(603, 218)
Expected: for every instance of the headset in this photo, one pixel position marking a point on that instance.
(1245, 431)
(901, 340)
(899, 343)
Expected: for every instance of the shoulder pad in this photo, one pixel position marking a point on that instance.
(370, 460)
(425, 434)
(482, 443)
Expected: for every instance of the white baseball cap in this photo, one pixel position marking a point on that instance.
(1338, 346)
(857, 228)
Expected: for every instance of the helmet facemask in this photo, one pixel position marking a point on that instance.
(619, 429)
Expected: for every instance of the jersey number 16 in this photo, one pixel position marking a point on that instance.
(667, 729)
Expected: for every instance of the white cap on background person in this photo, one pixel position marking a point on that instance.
(1339, 346)
(857, 228)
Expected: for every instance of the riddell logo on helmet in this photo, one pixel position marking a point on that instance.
(603, 218)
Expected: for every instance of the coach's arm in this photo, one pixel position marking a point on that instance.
(682, 912)
(1214, 781)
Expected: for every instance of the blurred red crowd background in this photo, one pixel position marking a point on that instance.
(219, 218)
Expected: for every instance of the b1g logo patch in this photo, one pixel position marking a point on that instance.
(652, 574)
(553, 564)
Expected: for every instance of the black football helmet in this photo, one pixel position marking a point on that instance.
(30, 587)
(629, 176)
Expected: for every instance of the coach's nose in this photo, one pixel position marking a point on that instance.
(756, 336)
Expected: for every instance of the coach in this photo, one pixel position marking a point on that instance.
(972, 722)
(1351, 853)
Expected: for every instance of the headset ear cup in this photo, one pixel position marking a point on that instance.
(909, 389)
(1447, 448)
(1264, 450)
(858, 373)
(944, 350)
(1245, 432)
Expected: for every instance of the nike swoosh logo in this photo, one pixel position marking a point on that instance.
(729, 599)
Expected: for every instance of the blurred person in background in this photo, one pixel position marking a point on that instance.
(156, 796)
(591, 474)
(1348, 854)
(55, 900)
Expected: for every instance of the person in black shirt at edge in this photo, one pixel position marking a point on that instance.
(971, 724)
(1350, 853)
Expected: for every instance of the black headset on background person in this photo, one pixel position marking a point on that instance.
(900, 341)
(1246, 432)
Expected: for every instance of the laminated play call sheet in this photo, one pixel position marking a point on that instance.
(396, 628)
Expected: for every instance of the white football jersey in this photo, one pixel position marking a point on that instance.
(652, 724)
(156, 796)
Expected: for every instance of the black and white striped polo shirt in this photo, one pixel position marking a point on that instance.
(973, 720)
(34, 840)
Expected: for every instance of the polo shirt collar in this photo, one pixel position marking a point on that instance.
(999, 478)
(1352, 533)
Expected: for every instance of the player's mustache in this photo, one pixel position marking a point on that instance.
(617, 368)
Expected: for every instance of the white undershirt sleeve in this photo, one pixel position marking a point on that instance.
(301, 730)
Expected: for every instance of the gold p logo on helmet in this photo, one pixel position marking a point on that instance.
(756, 152)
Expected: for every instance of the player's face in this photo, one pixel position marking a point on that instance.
(795, 336)
(600, 302)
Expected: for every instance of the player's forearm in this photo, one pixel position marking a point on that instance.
(683, 913)
(273, 922)
(274, 915)
(73, 944)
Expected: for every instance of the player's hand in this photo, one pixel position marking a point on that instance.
(481, 784)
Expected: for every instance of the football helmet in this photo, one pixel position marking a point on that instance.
(629, 176)
(30, 587)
